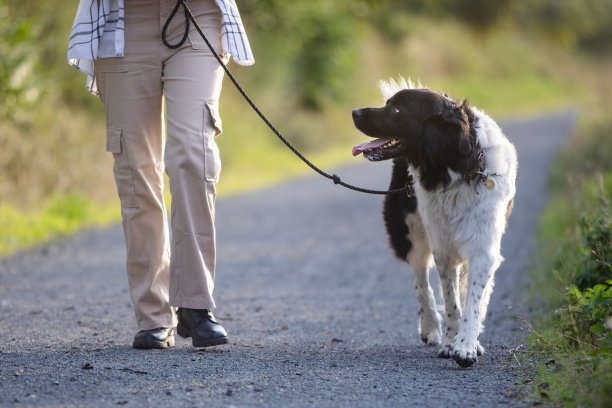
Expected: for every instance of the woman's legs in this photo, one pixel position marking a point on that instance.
(131, 89)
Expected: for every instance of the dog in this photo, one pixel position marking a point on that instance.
(461, 171)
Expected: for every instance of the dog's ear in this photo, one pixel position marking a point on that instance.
(446, 133)
(433, 138)
(466, 116)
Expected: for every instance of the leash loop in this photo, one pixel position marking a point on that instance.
(408, 189)
(172, 14)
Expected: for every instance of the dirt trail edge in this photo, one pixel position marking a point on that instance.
(318, 310)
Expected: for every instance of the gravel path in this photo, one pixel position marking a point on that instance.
(319, 311)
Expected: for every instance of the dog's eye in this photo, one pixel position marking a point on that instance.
(395, 109)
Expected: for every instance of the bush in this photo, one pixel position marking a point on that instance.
(587, 315)
(595, 260)
(585, 318)
(571, 349)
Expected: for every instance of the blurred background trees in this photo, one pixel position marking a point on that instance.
(320, 38)
(315, 41)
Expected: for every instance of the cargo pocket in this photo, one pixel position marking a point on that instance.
(197, 42)
(105, 71)
(212, 158)
(213, 111)
(121, 168)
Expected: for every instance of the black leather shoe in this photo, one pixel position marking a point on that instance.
(201, 326)
(160, 338)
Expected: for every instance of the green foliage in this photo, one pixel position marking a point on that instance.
(19, 90)
(328, 56)
(320, 38)
(572, 379)
(586, 24)
(573, 352)
(584, 320)
(478, 14)
(59, 215)
(317, 38)
(481, 14)
(595, 258)
(575, 228)
(571, 23)
(594, 142)
(573, 346)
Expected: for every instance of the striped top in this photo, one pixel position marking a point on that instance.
(99, 27)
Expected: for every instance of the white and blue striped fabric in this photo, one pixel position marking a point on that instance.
(233, 35)
(99, 26)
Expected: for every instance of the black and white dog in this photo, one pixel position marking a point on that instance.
(463, 172)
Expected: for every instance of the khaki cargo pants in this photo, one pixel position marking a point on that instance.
(163, 275)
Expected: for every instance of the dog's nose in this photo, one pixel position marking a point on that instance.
(357, 113)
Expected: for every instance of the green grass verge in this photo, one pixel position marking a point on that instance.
(569, 354)
(60, 215)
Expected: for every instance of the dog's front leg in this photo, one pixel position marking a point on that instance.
(421, 260)
(430, 327)
(449, 279)
(479, 288)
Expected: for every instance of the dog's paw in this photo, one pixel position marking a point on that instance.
(431, 329)
(432, 338)
(446, 351)
(464, 358)
(479, 349)
(431, 333)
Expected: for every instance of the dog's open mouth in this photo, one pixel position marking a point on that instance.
(379, 149)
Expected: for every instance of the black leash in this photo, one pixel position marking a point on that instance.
(336, 179)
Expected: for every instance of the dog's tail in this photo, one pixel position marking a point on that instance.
(397, 207)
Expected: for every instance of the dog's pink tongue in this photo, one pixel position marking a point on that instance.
(369, 145)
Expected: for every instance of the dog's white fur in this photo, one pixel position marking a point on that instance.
(460, 227)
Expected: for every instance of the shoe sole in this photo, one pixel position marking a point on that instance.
(169, 342)
(186, 333)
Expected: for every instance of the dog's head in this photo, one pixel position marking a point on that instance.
(420, 125)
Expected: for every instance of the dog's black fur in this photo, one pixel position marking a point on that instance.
(397, 207)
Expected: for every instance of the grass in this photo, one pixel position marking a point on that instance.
(60, 215)
(59, 161)
(569, 355)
